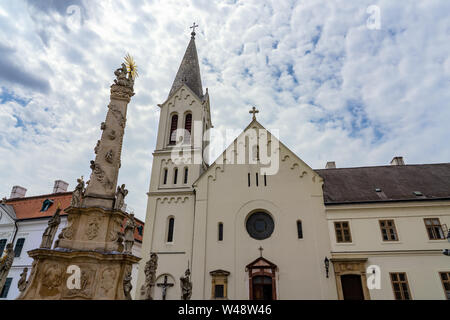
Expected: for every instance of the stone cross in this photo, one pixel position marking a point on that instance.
(260, 251)
(254, 111)
(164, 287)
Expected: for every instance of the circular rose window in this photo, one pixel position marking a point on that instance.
(260, 225)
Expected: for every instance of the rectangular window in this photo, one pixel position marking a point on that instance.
(388, 231)
(4, 293)
(400, 286)
(256, 174)
(434, 228)
(445, 278)
(2, 246)
(265, 180)
(19, 247)
(220, 231)
(218, 291)
(249, 179)
(342, 229)
(299, 229)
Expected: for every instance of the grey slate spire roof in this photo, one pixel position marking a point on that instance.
(189, 71)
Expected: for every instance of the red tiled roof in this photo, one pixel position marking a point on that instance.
(30, 208)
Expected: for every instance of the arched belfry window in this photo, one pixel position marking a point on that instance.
(185, 179)
(173, 129)
(188, 123)
(165, 176)
(170, 227)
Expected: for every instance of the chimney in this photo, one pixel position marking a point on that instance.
(18, 192)
(397, 161)
(60, 186)
(330, 165)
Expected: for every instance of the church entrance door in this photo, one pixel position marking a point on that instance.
(262, 279)
(262, 288)
(352, 287)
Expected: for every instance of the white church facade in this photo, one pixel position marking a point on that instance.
(251, 229)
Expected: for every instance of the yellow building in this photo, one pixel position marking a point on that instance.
(259, 223)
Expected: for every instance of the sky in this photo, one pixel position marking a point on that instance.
(356, 82)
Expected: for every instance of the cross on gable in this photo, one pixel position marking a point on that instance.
(260, 251)
(254, 111)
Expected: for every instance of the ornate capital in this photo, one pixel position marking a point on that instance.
(121, 92)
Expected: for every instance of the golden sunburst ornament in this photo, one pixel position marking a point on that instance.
(131, 66)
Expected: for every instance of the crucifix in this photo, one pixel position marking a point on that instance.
(193, 29)
(254, 111)
(164, 287)
(260, 251)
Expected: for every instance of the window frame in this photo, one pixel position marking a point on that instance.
(433, 230)
(400, 282)
(443, 282)
(299, 230)
(170, 229)
(220, 232)
(185, 175)
(342, 232)
(18, 253)
(388, 229)
(7, 286)
(172, 129)
(2, 247)
(175, 176)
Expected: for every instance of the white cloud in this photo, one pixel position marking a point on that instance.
(335, 89)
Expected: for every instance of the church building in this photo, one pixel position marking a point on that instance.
(259, 223)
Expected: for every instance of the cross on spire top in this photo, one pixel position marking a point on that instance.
(254, 111)
(193, 29)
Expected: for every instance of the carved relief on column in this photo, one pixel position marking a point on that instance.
(51, 279)
(107, 283)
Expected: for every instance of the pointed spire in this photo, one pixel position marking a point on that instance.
(189, 70)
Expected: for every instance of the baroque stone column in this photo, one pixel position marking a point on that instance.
(90, 248)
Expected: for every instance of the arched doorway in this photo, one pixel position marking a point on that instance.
(262, 280)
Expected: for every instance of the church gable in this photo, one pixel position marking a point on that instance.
(257, 146)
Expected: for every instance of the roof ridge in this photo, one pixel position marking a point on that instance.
(387, 166)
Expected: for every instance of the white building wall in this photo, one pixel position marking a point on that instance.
(414, 253)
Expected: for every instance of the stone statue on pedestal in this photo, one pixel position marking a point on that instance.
(77, 194)
(5, 264)
(22, 283)
(120, 197)
(150, 277)
(50, 231)
(130, 226)
(186, 285)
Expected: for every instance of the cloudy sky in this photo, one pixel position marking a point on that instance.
(322, 72)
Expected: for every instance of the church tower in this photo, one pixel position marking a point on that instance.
(178, 161)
